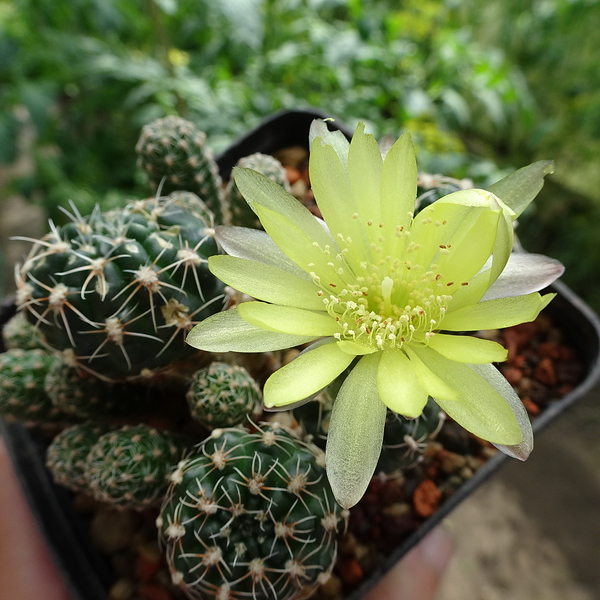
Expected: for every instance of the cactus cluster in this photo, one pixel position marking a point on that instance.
(250, 515)
(97, 350)
(121, 290)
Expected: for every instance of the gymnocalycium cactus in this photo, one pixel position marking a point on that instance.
(174, 154)
(223, 395)
(122, 289)
(130, 467)
(250, 515)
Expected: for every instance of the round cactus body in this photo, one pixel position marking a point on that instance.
(18, 332)
(175, 156)
(129, 467)
(241, 213)
(76, 392)
(223, 395)
(122, 289)
(66, 456)
(251, 515)
(22, 394)
(405, 440)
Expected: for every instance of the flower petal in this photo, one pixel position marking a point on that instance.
(287, 319)
(304, 250)
(355, 433)
(260, 191)
(398, 189)
(356, 348)
(521, 187)
(468, 349)
(364, 169)
(439, 225)
(480, 408)
(525, 273)
(254, 244)
(336, 139)
(432, 384)
(498, 313)
(499, 383)
(398, 385)
(306, 375)
(228, 332)
(265, 282)
(330, 184)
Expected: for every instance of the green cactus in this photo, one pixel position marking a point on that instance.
(129, 467)
(76, 392)
(250, 515)
(66, 455)
(175, 156)
(18, 332)
(241, 213)
(22, 395)
(405, 440)
(121, 290)
(223, 395)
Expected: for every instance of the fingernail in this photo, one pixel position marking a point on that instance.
(437, 548)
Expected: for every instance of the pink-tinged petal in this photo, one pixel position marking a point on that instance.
(498, 382)
(306, 375)
(523, 274)
(398, 385)
(228, 332)
(355, 433)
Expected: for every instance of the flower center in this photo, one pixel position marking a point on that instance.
(407, 305)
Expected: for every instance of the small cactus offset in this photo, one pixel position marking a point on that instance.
(223, 395)
(22, 394)
(76, 392)
(250, 515)
(241, 213)
(20, 333)
(175, 156)
(66, 456)
(129, 467)
(122, 289)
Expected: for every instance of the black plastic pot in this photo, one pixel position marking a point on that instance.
(87, 573)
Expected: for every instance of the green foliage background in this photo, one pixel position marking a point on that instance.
(485, 87)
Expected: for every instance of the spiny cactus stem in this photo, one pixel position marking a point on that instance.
(96, 268)
(115, 330)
